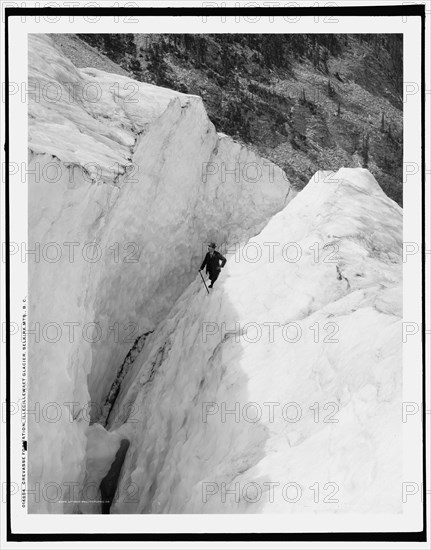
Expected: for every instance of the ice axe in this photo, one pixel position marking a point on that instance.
(203, 280)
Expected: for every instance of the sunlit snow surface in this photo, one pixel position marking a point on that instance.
(324, 271)
(180, 457)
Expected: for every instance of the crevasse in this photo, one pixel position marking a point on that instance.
(290, 370)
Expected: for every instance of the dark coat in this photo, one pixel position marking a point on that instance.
(212, 263)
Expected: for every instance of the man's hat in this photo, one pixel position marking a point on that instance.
(212, 245)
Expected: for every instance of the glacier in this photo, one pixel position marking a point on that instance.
(128, 181)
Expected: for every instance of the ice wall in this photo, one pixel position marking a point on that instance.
(300, 340)
(127, 181)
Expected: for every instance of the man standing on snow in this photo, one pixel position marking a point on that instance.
(212, 262)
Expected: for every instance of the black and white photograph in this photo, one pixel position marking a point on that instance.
(214, 263)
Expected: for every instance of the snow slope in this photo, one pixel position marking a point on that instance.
(303, 345)
(127, 181)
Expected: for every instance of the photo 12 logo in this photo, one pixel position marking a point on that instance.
(270, 492)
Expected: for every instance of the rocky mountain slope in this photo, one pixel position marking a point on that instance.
(306, 102)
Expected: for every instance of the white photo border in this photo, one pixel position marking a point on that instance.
(409, 525)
